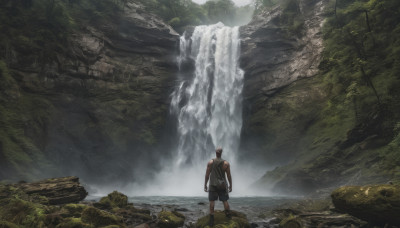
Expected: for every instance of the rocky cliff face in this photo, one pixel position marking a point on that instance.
(301, 121)
(273, 57)
(98, 111)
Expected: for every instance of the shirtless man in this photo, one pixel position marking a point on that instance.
(218, 189)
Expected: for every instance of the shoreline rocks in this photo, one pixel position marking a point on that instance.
(377, 204)
(33, 205)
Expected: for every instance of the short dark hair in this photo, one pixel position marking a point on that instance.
(218, 150)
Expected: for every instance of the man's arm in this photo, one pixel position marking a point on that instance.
(208, 171)
(227, 168)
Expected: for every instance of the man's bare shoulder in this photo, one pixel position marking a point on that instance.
(210, 162)
(226, 163)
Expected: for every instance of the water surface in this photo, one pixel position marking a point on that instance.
(196, 207)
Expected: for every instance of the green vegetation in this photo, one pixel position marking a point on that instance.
(17, 111)
(361, 46)
(42, 27)
(344, 121)
(361, 66)
(291, 18)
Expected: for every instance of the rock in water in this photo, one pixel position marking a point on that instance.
(114, 199)
(238, 220)
(373, 203)
(57, 190)
(170, 219)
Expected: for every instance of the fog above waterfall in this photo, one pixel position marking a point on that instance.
(237, 2)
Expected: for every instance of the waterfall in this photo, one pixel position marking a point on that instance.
(208, 102)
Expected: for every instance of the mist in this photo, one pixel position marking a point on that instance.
(237, 2)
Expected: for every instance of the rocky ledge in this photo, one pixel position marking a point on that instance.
(50, 191)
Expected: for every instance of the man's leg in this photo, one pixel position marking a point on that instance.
(227, 209)
(212, 204)
(226, 205)
(211, 222)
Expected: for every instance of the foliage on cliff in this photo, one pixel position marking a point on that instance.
(42, 27)
(361, 67)
(291, 18)
(349, 121)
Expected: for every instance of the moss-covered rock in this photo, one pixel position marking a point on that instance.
(170, 219)
(98, 218)
(73, 223)
(22, 213)
(75, 210)
(238, 220)
(291, 222)
(133, 213)
(14, 191)
(114, 199)
(53, 219)
(374, 203)
(5, 224)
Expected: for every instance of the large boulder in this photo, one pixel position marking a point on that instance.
(57, 190)
(114, 199)
(373, 203)
(170, 219)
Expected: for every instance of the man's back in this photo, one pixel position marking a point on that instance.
(217, 173)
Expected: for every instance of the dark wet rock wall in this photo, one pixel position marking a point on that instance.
(97, 111)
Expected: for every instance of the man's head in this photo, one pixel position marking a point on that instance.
(218, 152)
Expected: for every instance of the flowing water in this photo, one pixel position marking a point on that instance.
(208, 104)
(255, 208)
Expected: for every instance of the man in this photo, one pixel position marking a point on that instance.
(218, 189)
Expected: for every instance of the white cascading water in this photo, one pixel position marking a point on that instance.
(208, 106)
